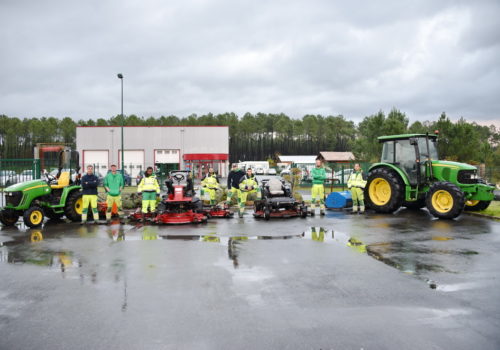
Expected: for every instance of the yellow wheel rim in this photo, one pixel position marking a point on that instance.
(36, 217)
(36, 236)
(442, 201)
(79, 206)
(471, 202)
(380, 191)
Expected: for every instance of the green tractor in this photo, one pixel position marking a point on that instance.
(409, 174)
(53, 197)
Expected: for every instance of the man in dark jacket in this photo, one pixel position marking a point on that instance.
(89, 191)
(233, 183)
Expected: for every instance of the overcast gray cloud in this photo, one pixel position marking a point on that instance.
(60, 58)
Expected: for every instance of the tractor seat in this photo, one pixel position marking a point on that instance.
(62, 182)
(275, 187)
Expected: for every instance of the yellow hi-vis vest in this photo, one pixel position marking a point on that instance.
(148, 184)
(356, 180)
(210, 181)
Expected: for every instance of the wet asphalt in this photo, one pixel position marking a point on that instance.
(401, 281)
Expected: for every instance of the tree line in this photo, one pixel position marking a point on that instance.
(264, 136)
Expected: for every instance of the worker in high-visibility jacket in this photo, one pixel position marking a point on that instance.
(318, 175)
(210, 184)
(150, 189)
(233, 184)
(248, 187)
(356, 183)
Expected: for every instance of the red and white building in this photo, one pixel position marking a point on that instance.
(177, 147)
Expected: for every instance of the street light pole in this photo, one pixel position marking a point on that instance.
(120, 76)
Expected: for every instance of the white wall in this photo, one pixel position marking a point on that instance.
(187, 139)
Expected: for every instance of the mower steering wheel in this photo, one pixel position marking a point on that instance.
(179, 177)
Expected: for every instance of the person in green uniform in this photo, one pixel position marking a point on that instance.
(357, 183)
(318, 175)
(113, 184)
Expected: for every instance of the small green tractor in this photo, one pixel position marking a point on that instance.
(51, 197)
(410, 174)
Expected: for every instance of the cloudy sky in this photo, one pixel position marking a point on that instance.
(60, 58)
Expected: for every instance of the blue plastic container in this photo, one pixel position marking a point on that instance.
(339, 200)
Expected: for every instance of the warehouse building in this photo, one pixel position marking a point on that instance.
(171, 147)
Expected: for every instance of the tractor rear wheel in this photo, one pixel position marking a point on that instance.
(33, 217)
(74, 206)
(8, 217)
(384, 190)
(445, 200)
(474, 205)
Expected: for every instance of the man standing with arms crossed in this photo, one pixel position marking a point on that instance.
(89, 190)
(113, 184)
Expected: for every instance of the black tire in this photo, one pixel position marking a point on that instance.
(33, 217)
(445, 200)
(481, 205)
(416, 205)
(267, 212)
(396, 194)
(8, 217)
(73, 206)
(303, 212)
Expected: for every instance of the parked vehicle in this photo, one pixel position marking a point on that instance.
(338, 175)
(410, 174)
(25, 175)
(35, 199)
(271, 171)
(259, 171)
(5, 175)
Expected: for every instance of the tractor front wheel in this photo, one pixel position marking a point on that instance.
(384, 190)
(475, 205)
(8, 217)
(33, 217)
(74, 206)
(445, 200)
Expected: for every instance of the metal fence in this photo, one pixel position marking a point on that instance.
(13, 171)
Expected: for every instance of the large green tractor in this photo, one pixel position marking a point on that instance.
(51, 197)
(410, 174)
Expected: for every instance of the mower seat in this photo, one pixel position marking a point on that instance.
(63, 181)
(275, 187)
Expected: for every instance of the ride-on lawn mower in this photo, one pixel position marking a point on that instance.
(53, 197)
(218, 211)
(278, 201)
(180, 206)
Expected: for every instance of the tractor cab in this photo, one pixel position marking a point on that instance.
(411, 153)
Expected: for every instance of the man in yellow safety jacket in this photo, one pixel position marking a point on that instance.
(210, 184)
(248, 186)
(150, 189)
(356, 183)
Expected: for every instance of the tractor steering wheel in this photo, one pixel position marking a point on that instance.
(50, 178)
